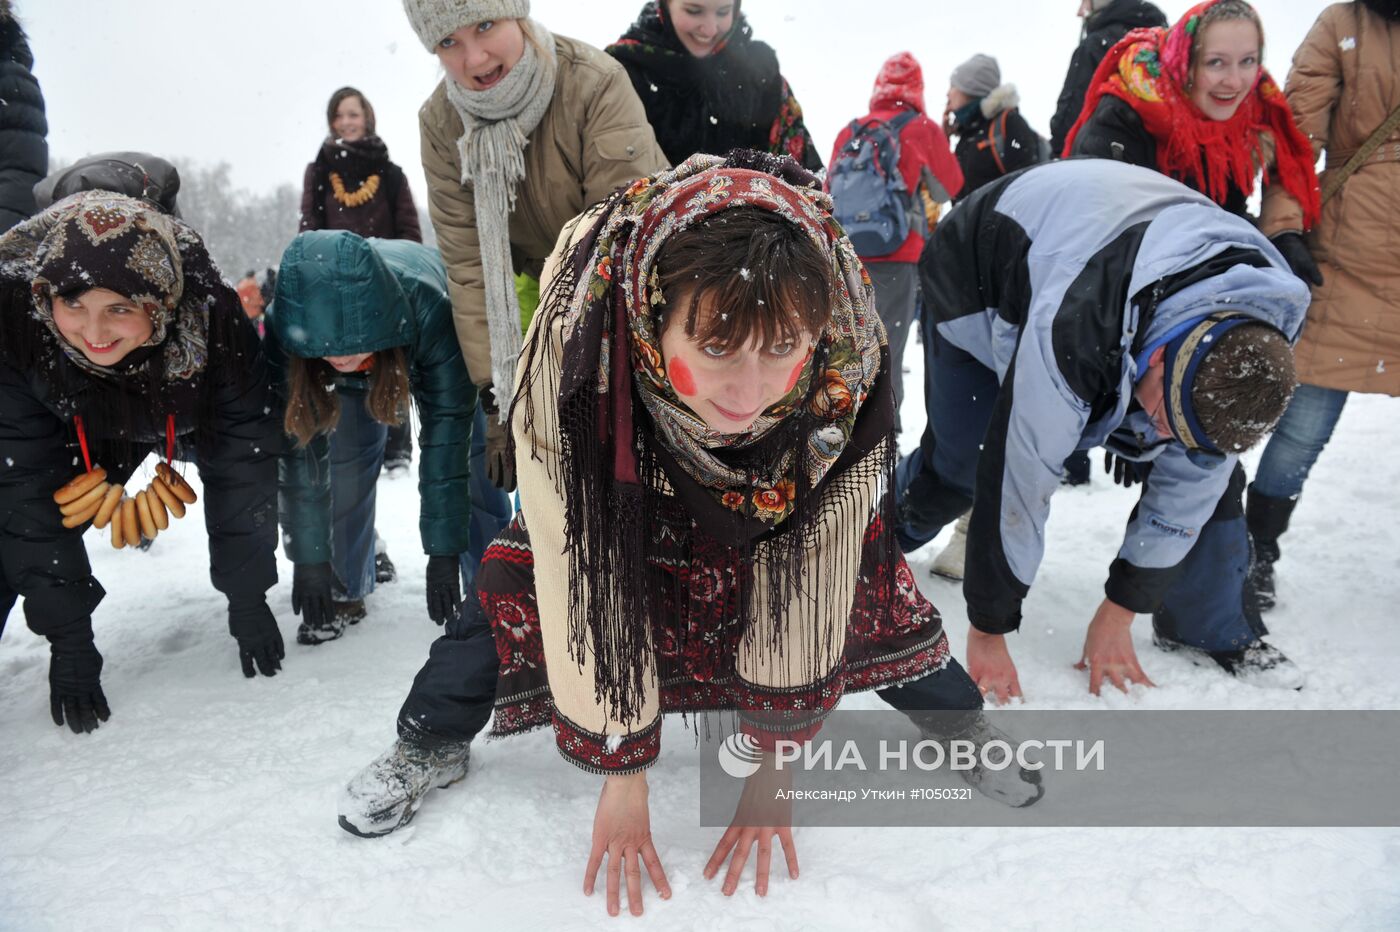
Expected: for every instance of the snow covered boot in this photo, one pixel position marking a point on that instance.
(1012, 786)
(1260, 664)
(351, 612)
(386, 794)
(1267, 519)
(384, 571)
(949, 563)
(313, 634)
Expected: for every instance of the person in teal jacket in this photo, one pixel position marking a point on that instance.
(356, 327)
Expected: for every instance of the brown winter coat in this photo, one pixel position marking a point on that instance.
(1344, 82)
(593, 138)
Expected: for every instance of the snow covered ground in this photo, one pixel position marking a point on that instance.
(208, 800)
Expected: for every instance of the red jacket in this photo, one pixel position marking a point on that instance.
(922, 144)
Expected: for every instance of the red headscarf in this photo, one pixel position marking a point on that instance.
(1149, 69)
(901, 81)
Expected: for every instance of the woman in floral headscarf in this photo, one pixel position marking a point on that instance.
(1195, 103)
(704, 427)
(119, 338)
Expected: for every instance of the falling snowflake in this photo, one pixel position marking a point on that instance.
(1347, 44)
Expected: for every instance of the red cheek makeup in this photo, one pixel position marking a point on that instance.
(682, 379)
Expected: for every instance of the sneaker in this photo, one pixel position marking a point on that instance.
(396, 469)
(949, 563)
(351, 612)
(1260, 664)
(386, 794)
(1012, 786)
(384, 571)
(334, 627)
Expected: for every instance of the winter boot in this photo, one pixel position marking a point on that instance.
(1261, 664)
(949, 562)
(1267, 518)
(384, 571)
(350, 613)
(396, 469)
(1012, 786)
(313, 634)
(387, 793)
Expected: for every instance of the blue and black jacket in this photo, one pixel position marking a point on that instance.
(1062, 279)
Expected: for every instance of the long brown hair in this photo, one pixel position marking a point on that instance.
(340, 96)
(313, 406)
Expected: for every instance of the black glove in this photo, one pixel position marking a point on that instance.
(259, 640)
(75, 690)
(1124, 471)
(444, 588)
(311, 592)
(1299, 259)
(500, 468)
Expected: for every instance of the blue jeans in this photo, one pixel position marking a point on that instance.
(935, 483)
(1298, 441)
(491, 508)
(357, 453)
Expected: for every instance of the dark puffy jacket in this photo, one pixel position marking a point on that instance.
(24, 150)
(1115, 131)
(339, 294)
(736, 98)
(1102, 30)
(223, 422)
(390, 214)
(995, 140)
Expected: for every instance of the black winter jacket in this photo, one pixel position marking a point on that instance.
(989, 147)
(1115, 131)
(1102, 30)
(224, 423)
(24, 150)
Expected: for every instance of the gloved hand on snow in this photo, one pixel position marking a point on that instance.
(1295, 252)
(259, 640)
(444, 588)
(75, 688)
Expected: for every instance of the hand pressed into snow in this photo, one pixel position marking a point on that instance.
(622, 831)
(991, 668)
(760, 816)
(1108, 649)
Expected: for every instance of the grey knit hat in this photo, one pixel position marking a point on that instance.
(435, 20)
(976, 77)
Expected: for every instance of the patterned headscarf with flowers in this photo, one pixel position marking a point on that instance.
(1149, 69)
(98, 239)
(831, 388)
(631, 451)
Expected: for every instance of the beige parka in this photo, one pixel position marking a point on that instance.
(593, 138)
(1344, 82)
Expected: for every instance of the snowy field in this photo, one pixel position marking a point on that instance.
(208, 800)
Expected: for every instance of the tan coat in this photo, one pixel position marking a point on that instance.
(1345, 80)
(593, 138)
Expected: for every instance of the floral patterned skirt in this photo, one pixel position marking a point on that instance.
(696, 647)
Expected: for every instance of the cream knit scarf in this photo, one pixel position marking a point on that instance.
(498, 122)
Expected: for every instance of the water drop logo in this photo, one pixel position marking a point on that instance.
(739, 755)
